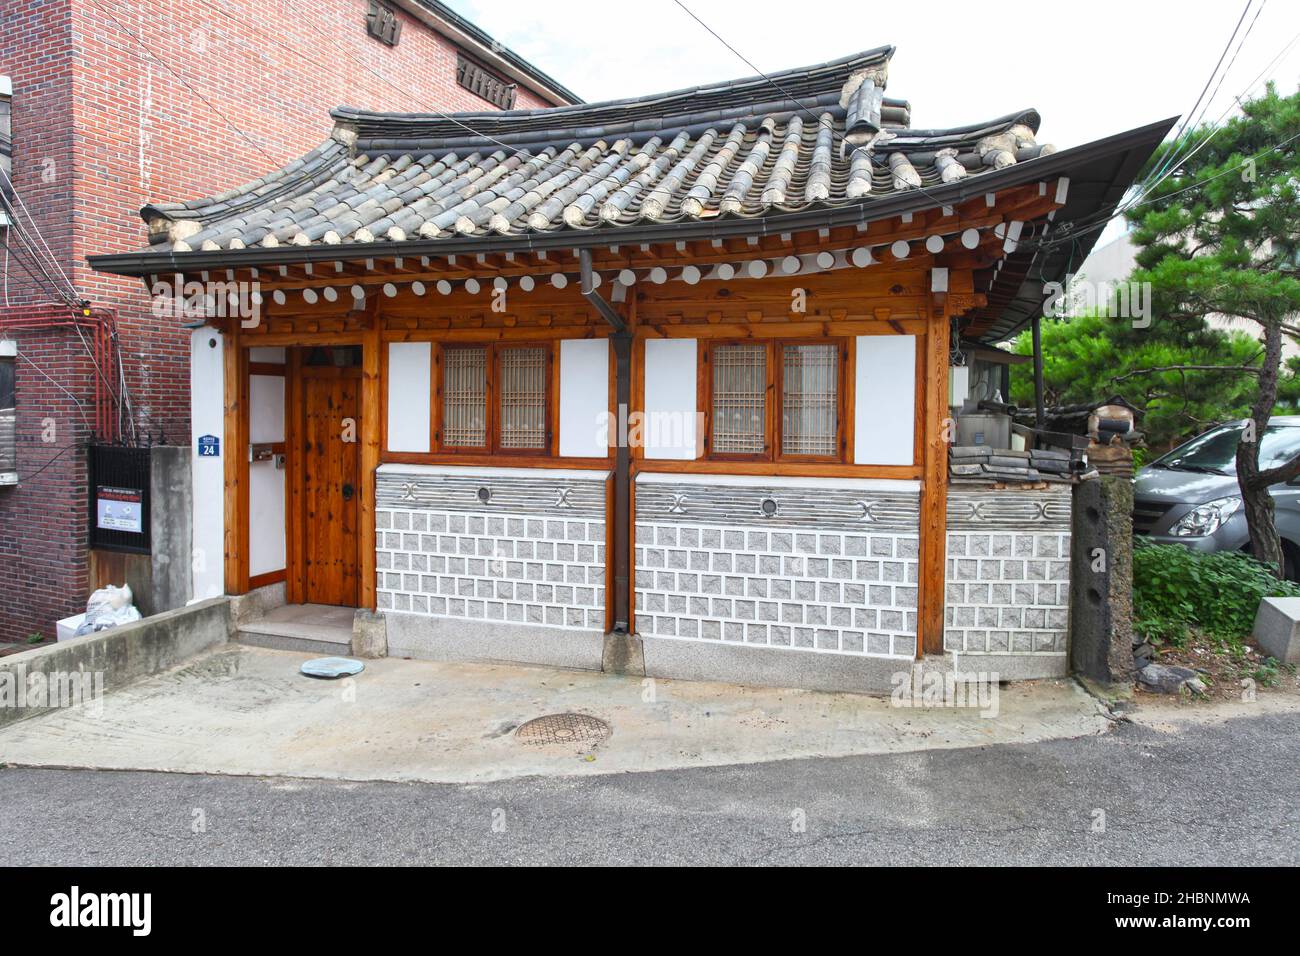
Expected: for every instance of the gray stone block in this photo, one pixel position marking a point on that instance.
(1277, 628)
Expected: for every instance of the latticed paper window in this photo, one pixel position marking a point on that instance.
(464, 397)
(809, 400)
(523, 397)
(739, 399)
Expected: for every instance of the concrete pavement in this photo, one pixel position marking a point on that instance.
(247, 710)
(1220, 792)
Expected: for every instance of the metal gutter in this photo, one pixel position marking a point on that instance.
(456, 28)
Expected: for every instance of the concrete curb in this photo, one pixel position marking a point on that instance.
(82, 670)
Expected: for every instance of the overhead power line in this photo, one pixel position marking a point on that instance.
(1186, 124)
(186, 83)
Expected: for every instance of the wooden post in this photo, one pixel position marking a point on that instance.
(371, 428)
(934, 480)
(621, 532)
(295, 592)
(235, 460)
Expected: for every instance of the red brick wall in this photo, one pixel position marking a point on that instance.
(227, 90)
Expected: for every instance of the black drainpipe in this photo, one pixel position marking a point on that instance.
(621, 543)
(1039, 415)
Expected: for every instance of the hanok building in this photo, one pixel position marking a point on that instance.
(676, 366)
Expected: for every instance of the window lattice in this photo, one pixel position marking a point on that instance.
(523, 398)
(464, 398)
(739, 399)
(809, 400)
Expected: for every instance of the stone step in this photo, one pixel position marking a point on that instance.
(287, 642)
(312, 628)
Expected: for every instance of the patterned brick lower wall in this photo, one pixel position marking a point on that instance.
(1008, 572)
(519, 550)
(827, 570)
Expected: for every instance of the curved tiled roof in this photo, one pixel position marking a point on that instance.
(823, 135)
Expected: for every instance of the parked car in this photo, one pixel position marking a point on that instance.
(1190, 496)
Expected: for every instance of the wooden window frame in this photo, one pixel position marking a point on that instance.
(492, 396)
(774, 405)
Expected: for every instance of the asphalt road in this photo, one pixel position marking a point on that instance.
(1226, 794)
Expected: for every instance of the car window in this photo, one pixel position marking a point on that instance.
(1217, 448)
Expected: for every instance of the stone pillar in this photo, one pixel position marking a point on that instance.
(171, 526)
(1101, 593)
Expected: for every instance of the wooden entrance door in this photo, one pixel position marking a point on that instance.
(329, 479)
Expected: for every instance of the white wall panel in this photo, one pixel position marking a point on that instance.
(885, 400)
(207, 417)
(670, 379)
(584, 396)
(410, 396)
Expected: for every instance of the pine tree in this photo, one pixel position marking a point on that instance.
(1219, 235)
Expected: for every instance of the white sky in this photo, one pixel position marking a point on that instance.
(1090, 68)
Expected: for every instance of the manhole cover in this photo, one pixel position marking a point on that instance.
(331, 668)
(563, 729)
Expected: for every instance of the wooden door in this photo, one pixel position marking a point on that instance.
(329, 479)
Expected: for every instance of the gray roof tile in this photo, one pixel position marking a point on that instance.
(822, 135)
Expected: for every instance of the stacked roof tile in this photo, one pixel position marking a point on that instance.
(825, 135)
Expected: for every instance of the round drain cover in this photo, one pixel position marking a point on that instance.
(332, 668)
(564, 729)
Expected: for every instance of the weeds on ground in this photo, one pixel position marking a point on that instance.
(1198, 610)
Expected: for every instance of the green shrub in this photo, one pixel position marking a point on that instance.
(1218, 593)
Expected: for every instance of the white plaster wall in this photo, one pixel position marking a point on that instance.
(584, 396)
(266, 482)
(670, 379)
(410, 396)
(207, 417)
(885, 400)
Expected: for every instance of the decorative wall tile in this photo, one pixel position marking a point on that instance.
(823, 573)
(1007, 587)
(526, 555)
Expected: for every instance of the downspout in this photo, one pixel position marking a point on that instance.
(621, 338)
(1039, 416)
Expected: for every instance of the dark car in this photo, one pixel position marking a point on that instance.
(1190, 496)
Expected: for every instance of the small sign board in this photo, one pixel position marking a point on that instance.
(119, 509)
(209, 446)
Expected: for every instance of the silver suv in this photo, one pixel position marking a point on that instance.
(1190, 496)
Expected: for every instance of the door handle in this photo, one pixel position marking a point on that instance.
(348, 492)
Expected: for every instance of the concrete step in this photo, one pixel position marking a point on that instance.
(288, 642)
(311, 628)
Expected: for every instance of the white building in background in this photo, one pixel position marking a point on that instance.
(1115, 262)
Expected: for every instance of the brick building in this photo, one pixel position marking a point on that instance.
(116, 103)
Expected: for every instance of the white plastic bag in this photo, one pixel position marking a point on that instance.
(109, 607)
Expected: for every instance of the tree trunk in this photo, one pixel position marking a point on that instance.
(1256, 500)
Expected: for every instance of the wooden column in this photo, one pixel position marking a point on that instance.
(235, 460)
(620, 535)
(295, 593)
(371, 430)
(934, 479)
